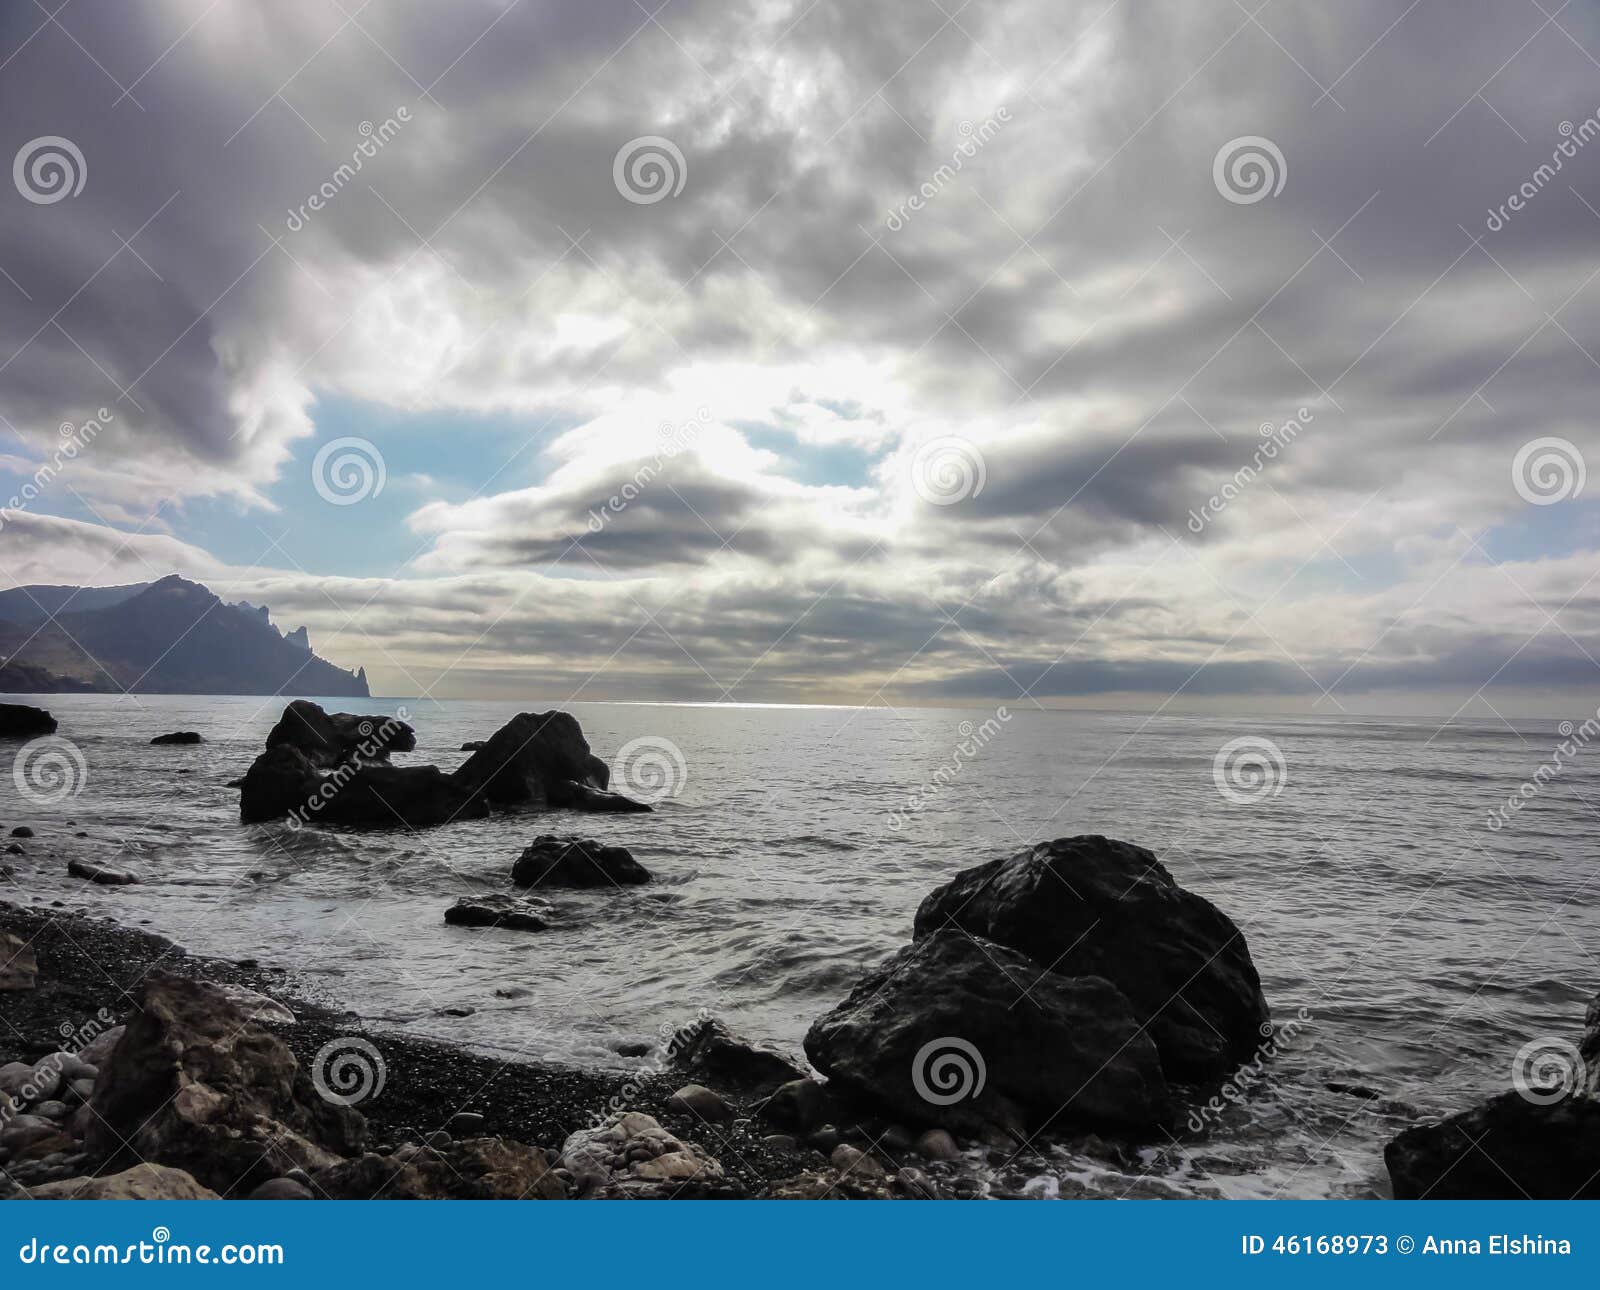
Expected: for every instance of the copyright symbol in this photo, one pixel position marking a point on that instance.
(1405, 1245)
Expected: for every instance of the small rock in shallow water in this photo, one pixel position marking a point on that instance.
(22, 831)
(631, 1049)
(500, 910)
(103, 874)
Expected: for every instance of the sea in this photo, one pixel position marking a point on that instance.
(1421, 900)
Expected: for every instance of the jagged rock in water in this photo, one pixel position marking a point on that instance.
(1509, 1148)
(282, 782)
(1093, 906)
(500, 910)
(541, 759)
(330, 739)
(179, 737)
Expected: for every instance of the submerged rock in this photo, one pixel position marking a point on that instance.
(541, 759)
(101, 873)
(195, 1083)
(179, 737)
(19, 721)
(1095, 907)
(330, 739)
(550, 861)
(500, 910)
(965, 1033)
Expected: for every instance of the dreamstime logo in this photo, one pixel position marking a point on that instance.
(1574, 739)
(675, 439)
(973, 138)
(1549, 470)
(1248, 169)
(1249, 768)
(348, 470)
(348, 1070)
(948, 470)
(373, 139)
(1237, 1087)
(1572, 139)
(974, 739)
(374, 743)
(1547, 1069)
(74, 440)
(650, 769)
(1274, 440)
(48, 169)
(947, 1070)
(648, 169)
(50, 769)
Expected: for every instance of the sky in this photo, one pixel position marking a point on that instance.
(1191, 355)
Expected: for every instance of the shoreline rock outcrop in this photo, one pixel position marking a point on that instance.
(19, 721)
(1094, 906)
(966, 1033)
(541, 759)
(330, 739)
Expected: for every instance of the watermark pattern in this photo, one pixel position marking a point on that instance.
(373, 139)
(649, 769)
(1548, 470)
(1547, 1069)
(1573, 740)
(973, 138)
(348, 1070)
(948, 1070)
(374, 739)
(1238, 1085)
(49, 770)
(1249, 769)
(1249, 169)
(1573, 138)
(74, 1040)
(974, 739)
(675, 439)
(74, 439)
(649, 169)
(348, 470)
(160, 1250)
(948, 470)
(1274, 440)
(49, 169)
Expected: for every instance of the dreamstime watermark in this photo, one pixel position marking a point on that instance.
(1548, 1069)
(650, 769)
(159, 1250)
(973, 139)
(974, 739)
(649, 169)
(948, 470)
(348, 470)
(373, 139)
(49, 770)
(74, 439)
(1548, 470)
(1238, 1085)
(948, 1070)
(49, 169)
(46, 1075)
(675, 439)
(1574, 739)
(1249, 769)
(348, 1070)
(1274, 440)
(1248, 169)
(672, 1040)
(1573, 138)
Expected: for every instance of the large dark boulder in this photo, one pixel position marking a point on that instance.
(330, 739)
(196, 1083)
(541, 759)
(1093, 906)
(19, 721)
(179, 737)
(283, 782)
(1509, 1148)
(549, 861)
(967, 1034)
